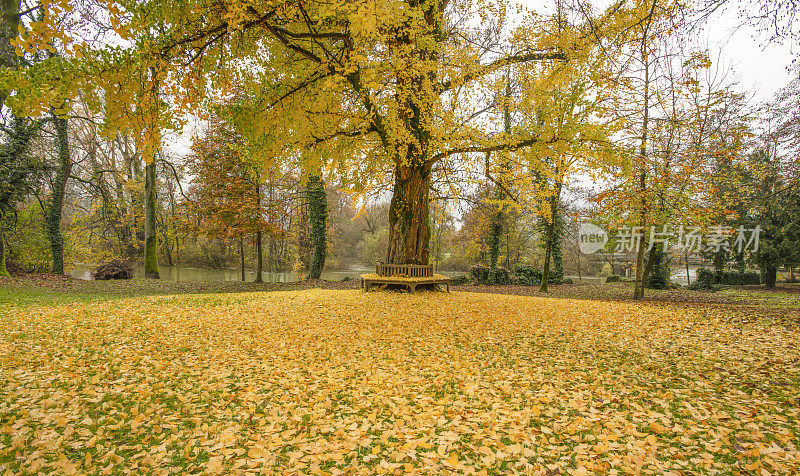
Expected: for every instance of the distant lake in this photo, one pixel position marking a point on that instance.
(185, 273)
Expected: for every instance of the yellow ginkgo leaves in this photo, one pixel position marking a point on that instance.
(342, 381)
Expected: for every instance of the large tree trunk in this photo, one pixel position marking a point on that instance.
(150, 237)
(318, 215)
(56, 204)
(409, 229)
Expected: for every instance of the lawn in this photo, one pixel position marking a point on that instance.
(330, 381)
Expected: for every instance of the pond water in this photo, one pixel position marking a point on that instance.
(184, 273)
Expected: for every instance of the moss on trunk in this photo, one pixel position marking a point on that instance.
(150, 236)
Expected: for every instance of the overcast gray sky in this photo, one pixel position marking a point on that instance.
(759, 67)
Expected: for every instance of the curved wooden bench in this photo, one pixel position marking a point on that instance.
(410, 275)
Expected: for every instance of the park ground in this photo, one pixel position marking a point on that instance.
(228, 378)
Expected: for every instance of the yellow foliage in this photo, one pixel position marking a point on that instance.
(335, 381)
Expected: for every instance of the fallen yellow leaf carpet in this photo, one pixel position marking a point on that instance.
(321, 381)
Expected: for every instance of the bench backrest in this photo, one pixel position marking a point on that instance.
(405, 270)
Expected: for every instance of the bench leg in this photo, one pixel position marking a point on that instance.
(412, 288)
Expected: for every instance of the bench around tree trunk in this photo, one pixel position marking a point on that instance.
(410, 275)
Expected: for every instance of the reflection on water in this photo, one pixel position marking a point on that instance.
(183, 273)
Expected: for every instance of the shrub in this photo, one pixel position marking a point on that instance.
(749, 278)
(566, 281)
(614, 278)
(659, 271)
(607, 270)
(735, 278)
(479, 273)
(499, 276)
(460, 280)
(527, 275)
(705, 279)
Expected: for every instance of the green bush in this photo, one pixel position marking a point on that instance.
(479, 273)
(614, 278)
(607, 270)
(567, 281)
(528, 275)
(659, 271)
(705, 279)
(460, 280)
(500, 276)
(748, 278)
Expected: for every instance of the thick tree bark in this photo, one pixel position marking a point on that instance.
(318, 215)
(56, 203)
(409, 229)
(150, 236)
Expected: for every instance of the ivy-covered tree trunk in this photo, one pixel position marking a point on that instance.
(409, 228)
(56, 203)
(241, 255)
(770, 276)
(318, 215)
(3, 269)
(494, 239)
(497, 220)
(557, 275)
(150, 236)
(720, 258)
(550, 241)
(259, 258)
(259, 241)
(741, 266)
(9, 29)
(547, 252)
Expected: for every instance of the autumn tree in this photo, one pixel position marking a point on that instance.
(19, 172)
(392, 80)
(225, 194)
